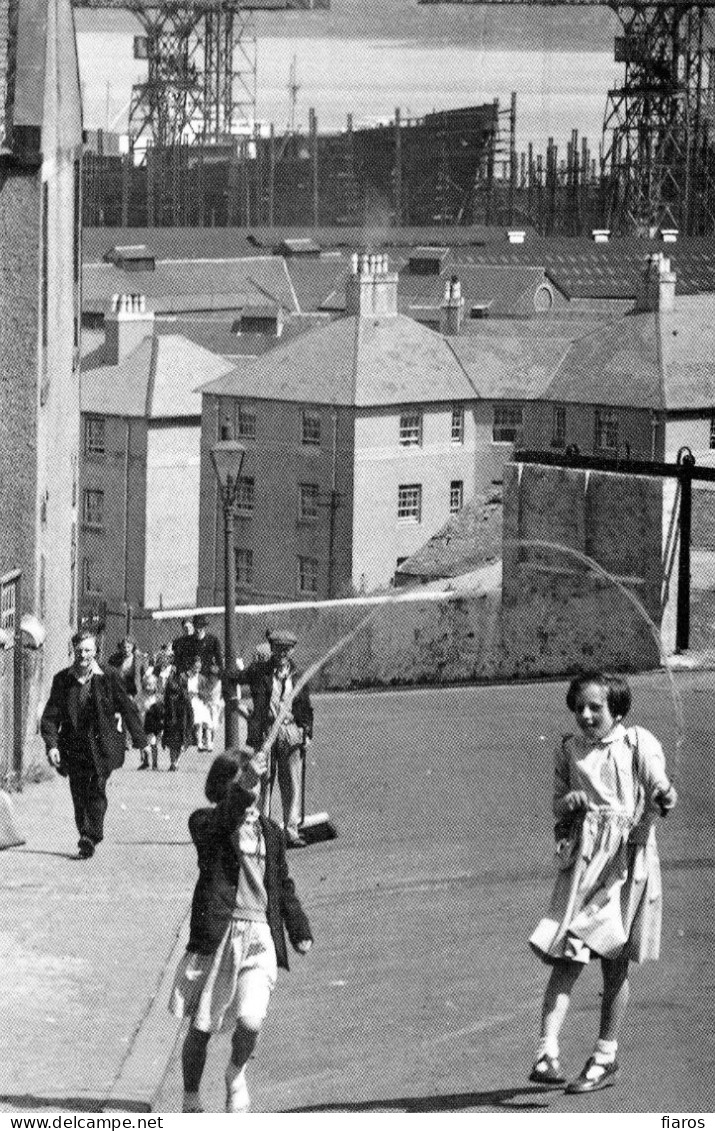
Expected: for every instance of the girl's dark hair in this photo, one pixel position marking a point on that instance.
(221, 773)
(618, 692)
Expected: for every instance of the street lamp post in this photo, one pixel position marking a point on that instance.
(227, 458)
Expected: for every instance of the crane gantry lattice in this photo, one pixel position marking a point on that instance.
(201, 60)
(658, 146)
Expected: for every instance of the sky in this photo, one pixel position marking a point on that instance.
(367, 57)
(521, 26)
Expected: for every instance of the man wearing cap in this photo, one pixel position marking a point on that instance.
(83, 733)
(281, 709)
(184, 646)
(207, 645)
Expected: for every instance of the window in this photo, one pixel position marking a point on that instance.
(94, 437)
(90, 578)
(456, 496)
(245, 423)
(93, 510)
(558, 426)
(606, 439)
(244, 568)
(8, 605)
(457, 435)
(508, 423)
(411, 429)
(409, 502)
(245, 495)
(311, 429)
(308, 575)
(308, 500)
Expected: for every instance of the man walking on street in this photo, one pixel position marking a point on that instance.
(272, 680)
(82, 728)
(184, 647)
(207, 645)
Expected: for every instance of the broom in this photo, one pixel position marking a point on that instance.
(317, 826)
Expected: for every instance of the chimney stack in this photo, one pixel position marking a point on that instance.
(657, 290)
(452, 309)
(371, 288)
(126, 325)
(601, 235)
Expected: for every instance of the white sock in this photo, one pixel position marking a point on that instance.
(605, 1051)
(547, 1046)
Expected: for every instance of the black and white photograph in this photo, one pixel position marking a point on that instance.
(357, 560)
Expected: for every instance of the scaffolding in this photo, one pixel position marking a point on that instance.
(657, 160)
(202, 63)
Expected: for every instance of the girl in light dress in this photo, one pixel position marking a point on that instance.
(212, 695)
(200, 714)
(610, 781)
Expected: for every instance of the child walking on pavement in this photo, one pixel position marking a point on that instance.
(243, 898)
(610, 781)
(151, 710)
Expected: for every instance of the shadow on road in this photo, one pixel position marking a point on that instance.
(511, 1098)
(71, 1103)
(46, 852)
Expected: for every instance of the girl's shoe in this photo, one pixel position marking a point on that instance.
(594, 1076)
(237, 1099)
(192, 1103)
(547, 1071)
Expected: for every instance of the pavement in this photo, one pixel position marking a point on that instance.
(420, 993)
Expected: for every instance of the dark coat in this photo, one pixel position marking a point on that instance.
(215, 893)
(59, 729)
(185, 651)
(187, 648)
(258, 676)
(132, 677)
(178, 722)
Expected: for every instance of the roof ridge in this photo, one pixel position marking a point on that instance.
(457, 358)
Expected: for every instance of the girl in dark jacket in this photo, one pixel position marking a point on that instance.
(243, 898)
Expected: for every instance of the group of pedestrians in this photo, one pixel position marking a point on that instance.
(610, 782)
(178, 692)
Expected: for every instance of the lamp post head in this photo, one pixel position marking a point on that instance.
(227, 458)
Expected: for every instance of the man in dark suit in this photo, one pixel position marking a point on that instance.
(184, 647)
(277, 706)
(82, 728)
(207, 645)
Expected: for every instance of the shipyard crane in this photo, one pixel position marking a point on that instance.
(658, 125)
(201, 67)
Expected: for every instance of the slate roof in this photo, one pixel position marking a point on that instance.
(186, 285)
(355, 361)
(157, 380)
(217, 336)
(209, 243)
(508, 290)
(471, 538)
(582, 268)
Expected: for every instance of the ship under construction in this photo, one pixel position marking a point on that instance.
(196, 156)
